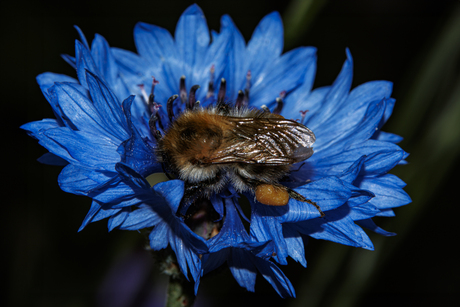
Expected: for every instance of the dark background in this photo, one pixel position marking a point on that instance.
(49, 264)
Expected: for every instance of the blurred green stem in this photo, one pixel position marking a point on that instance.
(180, 292)
(297, 18)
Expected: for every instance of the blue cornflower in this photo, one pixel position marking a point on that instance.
(101, 133)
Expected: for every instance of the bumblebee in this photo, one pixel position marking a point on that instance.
(251, 149)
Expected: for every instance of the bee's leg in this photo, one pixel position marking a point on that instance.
(293, 194)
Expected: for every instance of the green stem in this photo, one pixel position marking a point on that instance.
(180, 292)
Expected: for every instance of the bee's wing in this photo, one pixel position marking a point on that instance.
(275, 141)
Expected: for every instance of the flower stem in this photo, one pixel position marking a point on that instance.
(180, 292)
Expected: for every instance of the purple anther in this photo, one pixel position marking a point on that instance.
(211, 82)
(282, 94)
(279, 106)
(182, 90)
(222, 91)
(248, 80)
(144, 93)
(192, 97)
(303, 114)
(169, 107)
(239, 100)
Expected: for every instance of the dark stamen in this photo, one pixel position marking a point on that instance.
(239, 100)
(153, 129)
(192, 97)
(222, 91)
(151, 99)
(211, 82)
(265, 108)
(246, 89)
(154, 110)
(182, 90)
(279, 106)
(169, 107)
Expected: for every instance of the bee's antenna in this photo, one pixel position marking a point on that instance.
(192, 97)
(169, 107)
(222, 91)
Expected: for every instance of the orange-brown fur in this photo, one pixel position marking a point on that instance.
(227, 145)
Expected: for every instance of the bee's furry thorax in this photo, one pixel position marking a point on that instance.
(223, 144)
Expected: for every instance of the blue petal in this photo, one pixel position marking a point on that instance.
(387, 137)
(266, 43)
(275, 277)
(83, 148)
(294, 242)
(232, 232)
(341, 228)
(156, 45)
(369, 224)
(104, 60)
(284, 74)
(85, 63)
(70, 60)
(131, 66)
(118, 218)
(172, 191)
(243, 271)
(235, 72)
(97, 213)
(47, 80)
(387, 189)
(107, 105)
(328, 193)
(192, 40)
(80, 111)
(141, 218)
(36, 129)
(379, 158)
(266, 227)
(337, 95)
(51, 159)
(329, 141)
(82, 36)
(135, 151)
(81, 181)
